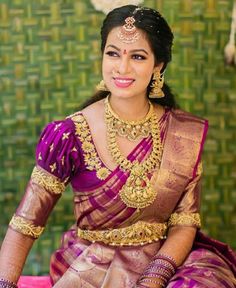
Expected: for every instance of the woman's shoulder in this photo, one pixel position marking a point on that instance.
(187, 124)
(188, 117)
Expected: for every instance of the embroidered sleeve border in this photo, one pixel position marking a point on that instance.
(47, 180)
(25, 227)
(185, 219)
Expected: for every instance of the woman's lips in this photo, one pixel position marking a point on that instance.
(123, 82)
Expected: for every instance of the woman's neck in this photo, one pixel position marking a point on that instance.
(130, 109)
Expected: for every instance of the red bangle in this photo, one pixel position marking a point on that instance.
(168, 258)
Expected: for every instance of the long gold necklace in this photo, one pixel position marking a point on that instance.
(137, 192)
(132, 130)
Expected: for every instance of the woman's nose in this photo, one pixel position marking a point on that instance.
(124, 66)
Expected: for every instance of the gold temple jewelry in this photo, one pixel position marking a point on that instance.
(101, 86)
(26, 227)
(157, 84)
(182, 218)
(132, 130)
(139, 233)
(137, 192)
(128, 32)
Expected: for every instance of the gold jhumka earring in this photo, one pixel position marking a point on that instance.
(101, 86)
(128, 32)
(157, 84)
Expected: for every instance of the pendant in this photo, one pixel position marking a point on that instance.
(137, 192)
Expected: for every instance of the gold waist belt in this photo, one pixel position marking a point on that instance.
(140, 233)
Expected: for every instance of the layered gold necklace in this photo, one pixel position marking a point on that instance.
(132, 130)
(137, 192)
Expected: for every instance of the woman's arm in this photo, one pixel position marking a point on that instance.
(183, 224)
(13, 253)
(55, 158)
(178, 243)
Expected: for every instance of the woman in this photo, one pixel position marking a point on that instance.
(134, 162)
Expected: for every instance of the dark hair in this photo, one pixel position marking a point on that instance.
(160, 38)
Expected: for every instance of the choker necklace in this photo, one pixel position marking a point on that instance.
(132, 130)
(137, 192)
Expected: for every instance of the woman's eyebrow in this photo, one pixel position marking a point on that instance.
(132, 51)
(113, 46)
(139, 50)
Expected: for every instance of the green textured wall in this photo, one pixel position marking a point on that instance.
(50, 62)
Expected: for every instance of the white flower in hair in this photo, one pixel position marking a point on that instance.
(230, 49)
(107, 5)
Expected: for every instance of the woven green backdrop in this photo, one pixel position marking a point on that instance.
(50, 62)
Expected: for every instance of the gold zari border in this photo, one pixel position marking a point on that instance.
(49, 182)
(188, 219)
(91, 158)
(140, 233)
(26, 227)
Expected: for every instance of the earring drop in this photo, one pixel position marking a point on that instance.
(157, 84)
(101, 86)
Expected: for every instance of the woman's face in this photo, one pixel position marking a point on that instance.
(127, 68)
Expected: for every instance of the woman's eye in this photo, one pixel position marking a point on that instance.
(112, 53)
(138, 57)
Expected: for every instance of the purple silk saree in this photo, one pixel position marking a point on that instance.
(97, 205)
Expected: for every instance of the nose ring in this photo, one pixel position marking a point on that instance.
(114, 72)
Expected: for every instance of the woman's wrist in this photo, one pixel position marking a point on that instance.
(159, 271)
(4, 283)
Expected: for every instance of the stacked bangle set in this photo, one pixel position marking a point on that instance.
(159, 271)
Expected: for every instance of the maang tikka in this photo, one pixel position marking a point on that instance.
(157, 84)
(128, 32)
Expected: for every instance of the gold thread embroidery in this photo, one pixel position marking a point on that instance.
(57, 126)
(51, 147)
(65, 135)
(48, 181)
(185, 219)
(102, 173)
(139, 233)
(53, 167)
(74, 149)
(199, 168)
(91, 158)
(26, 227)
(40, 156)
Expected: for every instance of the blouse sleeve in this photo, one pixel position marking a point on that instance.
(187, 211)
(57, 160)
